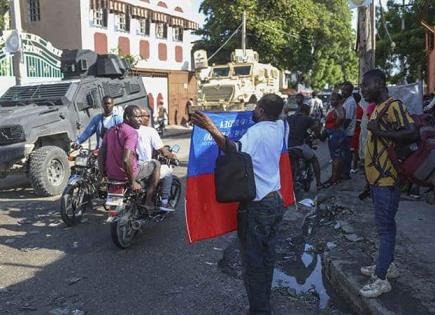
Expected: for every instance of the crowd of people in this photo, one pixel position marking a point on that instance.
(126, 147)
(259, 219)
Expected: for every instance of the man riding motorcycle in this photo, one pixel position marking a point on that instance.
(118, 159)
(299, 124)
(100, 123)
(150, 140)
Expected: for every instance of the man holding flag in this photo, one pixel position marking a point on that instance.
(258, 220)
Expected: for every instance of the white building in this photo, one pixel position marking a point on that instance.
(155, 34)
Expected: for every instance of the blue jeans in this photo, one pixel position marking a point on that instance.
(386, 203)
(347, 165)
(258, 224)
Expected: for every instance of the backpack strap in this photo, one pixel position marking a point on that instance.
(383, 171)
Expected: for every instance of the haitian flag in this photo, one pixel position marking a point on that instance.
(205, 217)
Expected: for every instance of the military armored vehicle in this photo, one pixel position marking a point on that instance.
(237, 85)
(38, 122)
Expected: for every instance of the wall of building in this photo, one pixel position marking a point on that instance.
(109, 34)
(182, 86)
(59, 23)
(157, 89)
(431, 71)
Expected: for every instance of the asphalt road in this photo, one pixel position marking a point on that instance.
(47, 268)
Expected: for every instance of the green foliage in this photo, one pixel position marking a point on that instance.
(313, 37)
(406, 57)
(4, 7)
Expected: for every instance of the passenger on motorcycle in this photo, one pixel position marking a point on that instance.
(150, 140)
(99, 124)
(300, 123)
(118, 159)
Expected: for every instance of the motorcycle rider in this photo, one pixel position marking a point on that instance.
(299, 124)
(100, 123)
(150, 140)
(118, 160)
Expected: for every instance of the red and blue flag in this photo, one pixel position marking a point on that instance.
(205, 217)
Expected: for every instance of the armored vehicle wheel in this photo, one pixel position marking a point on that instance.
(49, 170)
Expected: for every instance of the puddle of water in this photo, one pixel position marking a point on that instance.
(303, 274)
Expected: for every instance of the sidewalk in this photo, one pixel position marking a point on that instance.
(176, 130)
(355, 238)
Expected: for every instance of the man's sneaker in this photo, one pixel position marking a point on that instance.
(166, 207)
(392, 273)
(354, 171)
(375, 288)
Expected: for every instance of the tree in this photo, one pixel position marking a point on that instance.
(307, 36)
(4, 8)
(400, 53)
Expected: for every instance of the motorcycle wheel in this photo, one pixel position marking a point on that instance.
(73, 203)
(122, 231)
(174, 197)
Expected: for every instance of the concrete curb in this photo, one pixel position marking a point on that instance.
(348, 287)
(412, 293)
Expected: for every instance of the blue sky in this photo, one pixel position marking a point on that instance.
(201, 17)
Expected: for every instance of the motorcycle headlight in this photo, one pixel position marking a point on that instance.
(12, 134)
(81, 161)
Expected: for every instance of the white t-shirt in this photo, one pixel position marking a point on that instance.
(148, 140)
(350, 107)
(263, 142)
(316, 107)
(107, 121)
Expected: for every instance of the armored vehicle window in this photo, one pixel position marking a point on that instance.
(113, 89)
(93, 98)
(220, 72)
(242, 70)
(132, 88)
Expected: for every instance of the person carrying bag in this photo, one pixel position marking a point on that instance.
(258, 217)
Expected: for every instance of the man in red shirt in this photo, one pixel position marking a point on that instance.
(118, 159)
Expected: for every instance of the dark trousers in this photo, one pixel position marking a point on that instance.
(386, 203)
(258, 223)
(347, 165)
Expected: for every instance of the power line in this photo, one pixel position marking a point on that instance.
(226, 42)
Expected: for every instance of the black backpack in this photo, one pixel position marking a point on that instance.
(234, 177)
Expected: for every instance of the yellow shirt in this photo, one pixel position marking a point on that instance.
(376, 156)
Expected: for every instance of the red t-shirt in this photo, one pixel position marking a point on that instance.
(117, 139)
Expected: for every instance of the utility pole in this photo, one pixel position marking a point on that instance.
(244, 34)
(17, 63)
(402, 28)
(367, 40)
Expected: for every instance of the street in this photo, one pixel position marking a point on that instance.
(46, 267)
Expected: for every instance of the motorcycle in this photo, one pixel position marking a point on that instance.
(302, 169)
(82, 188)
(159, 125)
(126, 210)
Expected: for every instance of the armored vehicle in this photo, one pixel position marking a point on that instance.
(237, 85)
(38, 122)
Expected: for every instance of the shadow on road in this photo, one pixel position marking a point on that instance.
(46, 267)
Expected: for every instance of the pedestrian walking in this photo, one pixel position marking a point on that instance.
(349, 124)
(316, 106)
(389, 123)
(334, 128)
(258, 220)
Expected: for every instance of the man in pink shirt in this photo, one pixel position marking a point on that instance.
(118, 159)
